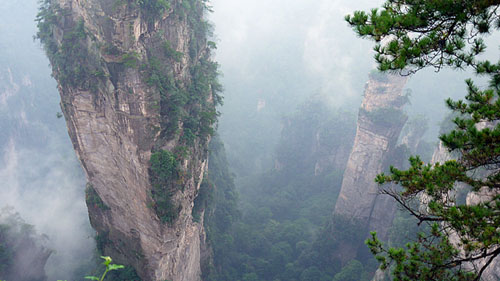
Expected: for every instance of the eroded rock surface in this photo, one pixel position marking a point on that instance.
(380, 122)
(127, 76)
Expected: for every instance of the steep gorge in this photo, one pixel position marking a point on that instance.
(138, 91)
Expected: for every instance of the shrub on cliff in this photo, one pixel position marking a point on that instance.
(164, 174)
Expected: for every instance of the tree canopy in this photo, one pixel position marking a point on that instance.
(462, 240)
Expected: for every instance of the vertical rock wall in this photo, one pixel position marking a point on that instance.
(380, 122)
(128, 76)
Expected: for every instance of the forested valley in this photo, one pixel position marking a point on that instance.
(195, 140)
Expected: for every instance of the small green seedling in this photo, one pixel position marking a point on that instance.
(109, 267)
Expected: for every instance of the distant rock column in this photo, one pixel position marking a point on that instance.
(380, 122)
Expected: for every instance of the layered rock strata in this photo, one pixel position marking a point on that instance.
(135, 78)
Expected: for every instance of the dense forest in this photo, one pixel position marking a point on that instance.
(252, 141)
(271, 238)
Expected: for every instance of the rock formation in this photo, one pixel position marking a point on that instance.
(136, 80)
(380, 122)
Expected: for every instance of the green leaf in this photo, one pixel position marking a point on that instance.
(107, 260)
(115, 266)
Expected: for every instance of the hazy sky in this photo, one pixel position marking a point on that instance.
(292, 49)
(39, 173)
(281, 35)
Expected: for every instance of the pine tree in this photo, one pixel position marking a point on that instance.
(411, 35)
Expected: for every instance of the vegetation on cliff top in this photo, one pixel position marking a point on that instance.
(74, 65)
(440, 34)
(187, 105)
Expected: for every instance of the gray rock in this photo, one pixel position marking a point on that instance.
(380, 122)
(113, 127)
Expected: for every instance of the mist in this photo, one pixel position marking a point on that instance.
(293, 72)
(275, 55)
(40, 176)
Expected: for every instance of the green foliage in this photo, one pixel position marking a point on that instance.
(187, 107)
(128, 273)
(192, 105)
(73, 64)
(101, 241)
(95, 267)
(130, 60)
(172, 95)
(93, 199)
(193, 11)
(20, 244)
(109, 267)
(164, 168)
(191, 102)
(202, 114)
(170, 52)
(439, 34)
(427, 33)
(283, 210)
(165, 176)
(404, 228)
(220, 211)
(351, 272)
(71, 71)
(415, 260)
(153, 9)
(5, 250)
(203, 199)
(111, 49)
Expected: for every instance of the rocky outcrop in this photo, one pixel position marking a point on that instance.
(135, 79)
(380, 122)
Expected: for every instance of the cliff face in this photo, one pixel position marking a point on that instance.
(136, 80)
(380, 122)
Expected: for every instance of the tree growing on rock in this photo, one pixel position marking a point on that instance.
(463, 239)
